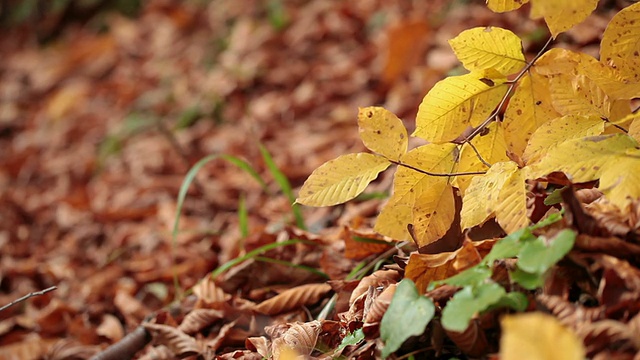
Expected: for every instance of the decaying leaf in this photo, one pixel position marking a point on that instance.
(178, 342)
(197, 319)
(293, 298)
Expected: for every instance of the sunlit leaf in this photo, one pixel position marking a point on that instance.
(407, 315)
(620, 39)
(557, 131)
(468, 302)
(528, 109)
(382, 132)
(511, 206)
(500, 6)
(457, 102)
(538, 336)
(433, 213)
(562, 15)
(341, 179)
(410, 185)
(492, 148)
(480, 199)
(489, 47)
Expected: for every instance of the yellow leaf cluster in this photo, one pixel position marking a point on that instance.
(564, 112)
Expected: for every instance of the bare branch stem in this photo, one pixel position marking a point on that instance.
(29, 295)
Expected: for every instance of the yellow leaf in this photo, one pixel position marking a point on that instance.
(382, 132)
(620, 181)
(538, 336)
(557, 131)
(634, 129)
(480, 199)
(618, 80)
(490, 145)
(511, 206)
(582, 159)
(528, 109)
(341, 179)
(433, 213)
(501, 6)
(579, 95)
(621, 39)
(409, 185)
(457, 102)
(562, 15)
(489, 47)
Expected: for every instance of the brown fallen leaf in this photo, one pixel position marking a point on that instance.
(292, 298)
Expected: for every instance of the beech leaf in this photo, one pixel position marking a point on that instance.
(407, 315)
(382, 132)
(489, 47)
(500, 6)
(561, 16)
(457, 102)
(538, 336)
(341, 179)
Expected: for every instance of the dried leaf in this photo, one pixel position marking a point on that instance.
(178, 342)
(198, 319)
(293, 298)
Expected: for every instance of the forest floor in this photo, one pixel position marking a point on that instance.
(100, 125)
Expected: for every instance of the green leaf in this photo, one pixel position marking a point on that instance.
(472, 276)
(469, 301)
(509, 246)
(514, 300)
(537, 257)
(352, 339)
(527, 280)
(407, 315)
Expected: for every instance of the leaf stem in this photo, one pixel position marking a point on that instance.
(399, 163)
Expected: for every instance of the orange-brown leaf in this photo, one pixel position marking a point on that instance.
(295, 297)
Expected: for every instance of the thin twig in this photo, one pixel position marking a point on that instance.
(436, 174)
(478, 154)
(29, 295)
(512, 85)
(615, 125)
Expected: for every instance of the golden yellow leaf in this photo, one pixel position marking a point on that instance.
(557, 131)
(457, 102)
(433, 213)
(579, 95)
(621, 39)
(489, 47)
(538, 336)
(528, 109)
(501, 6)
(620, 80)
(480, 199)
(634, 129)
(511, 206)
(562, 15)
(614, 159)
(490, 145)
(341, 179)
(410, 185)
(382, 132)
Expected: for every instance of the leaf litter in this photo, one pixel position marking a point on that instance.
(98, 130)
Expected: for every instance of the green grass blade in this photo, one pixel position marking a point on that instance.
(251, 254)
(247, 168)
(243, 216)
(284, 184)
(290, 264)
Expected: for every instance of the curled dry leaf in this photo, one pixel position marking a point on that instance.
(613, 246)
(261, 345)
(198, 319)
(601, 335)
(472, 341)
(111, 328)
(209, 294)
(66, 349)
(178, 342)
(160, 352)
(300, 338)
(378, 278)
(380, 305)
(568, 313)
(290, 299)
